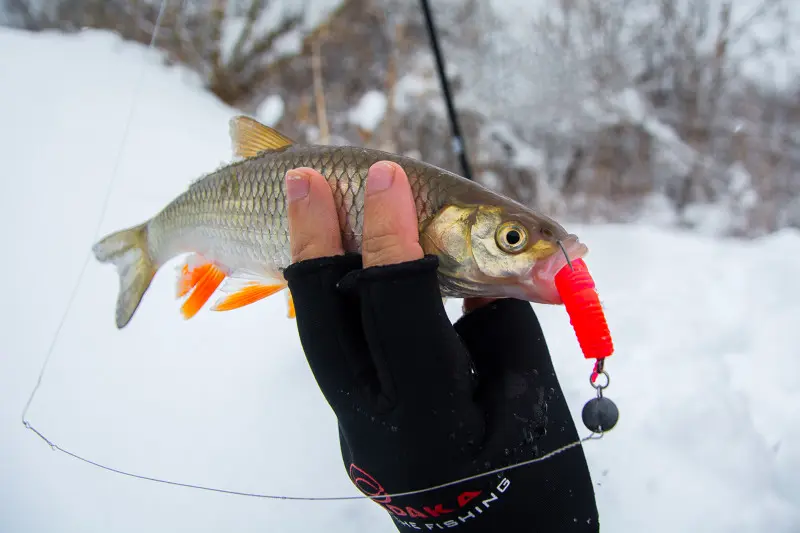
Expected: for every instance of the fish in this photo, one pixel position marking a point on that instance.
(232, 226)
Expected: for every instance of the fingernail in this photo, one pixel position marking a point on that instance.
(297, 186)
(380, 177)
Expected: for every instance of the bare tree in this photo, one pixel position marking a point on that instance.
(231, 44)
(627, 99)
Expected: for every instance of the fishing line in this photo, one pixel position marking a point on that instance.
(103, 210)
(573, 444)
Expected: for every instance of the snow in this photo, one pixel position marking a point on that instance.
(271, 110)
(369, 111)
(417, 85)
(705, 330)
(312, 13)
(521, 154)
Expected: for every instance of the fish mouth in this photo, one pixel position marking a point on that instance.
(542, 285)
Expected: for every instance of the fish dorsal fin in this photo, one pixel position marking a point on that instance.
(250, 137)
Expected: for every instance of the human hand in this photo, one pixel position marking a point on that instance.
(420, 401)
(390, 221)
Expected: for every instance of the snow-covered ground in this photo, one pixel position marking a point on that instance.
(706, 331)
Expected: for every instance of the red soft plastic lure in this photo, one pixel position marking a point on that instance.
(576, 288)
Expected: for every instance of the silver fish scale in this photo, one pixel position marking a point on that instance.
(236, 216)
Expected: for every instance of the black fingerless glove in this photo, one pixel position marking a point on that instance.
(421, 402)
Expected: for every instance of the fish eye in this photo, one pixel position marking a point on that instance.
(511, 237)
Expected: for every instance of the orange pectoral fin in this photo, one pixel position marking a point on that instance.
(249, 294)
(184, 282)
(189, 276)
(207, 282)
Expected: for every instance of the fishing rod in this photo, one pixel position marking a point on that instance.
(458, 145)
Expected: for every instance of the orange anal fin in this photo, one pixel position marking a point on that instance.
(247, 295)
(292, 313)
(207, 283)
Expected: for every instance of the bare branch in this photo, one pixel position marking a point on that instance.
(319, 93)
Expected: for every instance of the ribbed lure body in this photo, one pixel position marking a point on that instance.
(577, 290)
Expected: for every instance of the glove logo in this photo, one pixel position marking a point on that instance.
(370, 487)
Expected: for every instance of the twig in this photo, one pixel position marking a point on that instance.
(319, 93)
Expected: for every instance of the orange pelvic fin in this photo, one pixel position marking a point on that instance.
(291, 313)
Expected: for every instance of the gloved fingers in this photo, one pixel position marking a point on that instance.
(471, 304)
(503, 335)
(329, 323)
(517, 380)
(420, 361)
(510, 355)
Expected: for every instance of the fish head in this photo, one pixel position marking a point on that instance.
(499, 250)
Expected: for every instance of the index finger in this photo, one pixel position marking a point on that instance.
(313, 221)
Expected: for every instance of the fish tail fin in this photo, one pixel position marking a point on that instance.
(127, 250)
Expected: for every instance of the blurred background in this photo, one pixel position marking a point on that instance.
(683, 109)
(665, 133)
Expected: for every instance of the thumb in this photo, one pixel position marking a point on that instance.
(391, 228)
